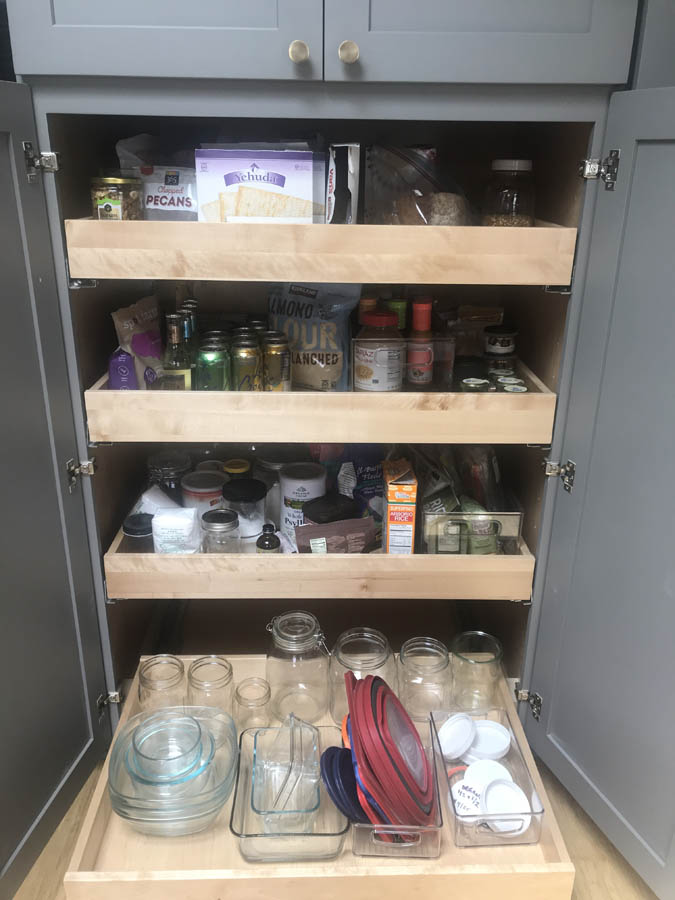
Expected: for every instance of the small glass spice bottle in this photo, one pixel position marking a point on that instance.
(268, 542)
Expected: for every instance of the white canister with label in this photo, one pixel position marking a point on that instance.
(300, 482)
(203, 491)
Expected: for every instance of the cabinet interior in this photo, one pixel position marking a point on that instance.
(87, 147)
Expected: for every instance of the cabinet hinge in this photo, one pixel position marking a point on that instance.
(606, 169)
(564, 471)
(104, 700)
(75, 469)
(533, 700)
(79, 284)
(45, 161)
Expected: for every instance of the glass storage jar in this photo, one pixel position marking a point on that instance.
(297, 666)
(137, 531)
(363, 651)
(252, 704)
(246, 497)
(166, 469)
(161, 682)
(425, 676)
(116, 198)
(209, 683)
(220, 531)
(476, 669)
(509, 197)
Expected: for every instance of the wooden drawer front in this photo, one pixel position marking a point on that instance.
(113, 862)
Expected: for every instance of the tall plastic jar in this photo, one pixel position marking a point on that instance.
(300, 482)
(509, 197)
(297, 666)
(379, 353)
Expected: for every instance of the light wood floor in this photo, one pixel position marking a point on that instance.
(601, 872)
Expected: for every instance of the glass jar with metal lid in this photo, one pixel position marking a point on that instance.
(509, 197)
(116, 198)
(220, 531)
(166, 470)
(297, 666)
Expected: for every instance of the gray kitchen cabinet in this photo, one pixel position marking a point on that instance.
(155, 38)
(499, 41)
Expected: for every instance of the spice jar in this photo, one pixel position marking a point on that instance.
(379, 353)
(363, 651)
(116, 198)
(425, 676)
(160, 682)
(246, 497)
(237, 468)
(166, 470)
(220, 531)
(297, 667)
(500, 340)
(137, 531)
(509, 197)
(209, 683)
(475, 385)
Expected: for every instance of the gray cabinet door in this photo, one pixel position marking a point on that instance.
(166, 38)
(50, 648)
(516, 41)
(604, 662)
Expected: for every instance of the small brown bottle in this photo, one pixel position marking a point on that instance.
(268, 542)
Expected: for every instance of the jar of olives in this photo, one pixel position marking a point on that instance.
(116, 198)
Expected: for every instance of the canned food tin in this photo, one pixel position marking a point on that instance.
(276, 364)
(246, 365)
(213, 369)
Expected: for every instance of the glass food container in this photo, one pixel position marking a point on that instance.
(297, 666)
(246, 497)
(476, 669)
(251, 705)
(161, 682)
(363, 651)
(509, 197)
(425, 676)
(116, 198)
(210, 683)
(220, 531)
(137, 531)
(166, 470)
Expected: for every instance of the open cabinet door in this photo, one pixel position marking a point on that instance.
(604, 662)
(51, 668)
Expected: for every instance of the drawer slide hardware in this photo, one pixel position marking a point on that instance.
(79, 284)
(75, 470)
(533, 700)
(565, 471)
(45, 161)
(606, 169)
(104, 700)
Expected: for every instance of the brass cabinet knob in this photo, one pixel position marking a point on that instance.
(298, 51)
(349, 52)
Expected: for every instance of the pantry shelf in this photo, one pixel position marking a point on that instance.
(136, 576)
(425, 418)
(112, 860)
(383, 254)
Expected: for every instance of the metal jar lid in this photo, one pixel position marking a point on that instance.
(220, 521)
(136, 182)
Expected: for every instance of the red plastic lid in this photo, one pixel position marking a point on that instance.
(380, 319)
(421, 315)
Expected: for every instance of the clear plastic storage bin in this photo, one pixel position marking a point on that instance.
(485, 829)
(407, 841)
(479, 534)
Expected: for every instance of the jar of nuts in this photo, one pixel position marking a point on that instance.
(116, 198)
(509, 198)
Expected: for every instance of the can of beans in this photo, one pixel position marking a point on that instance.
(276, 362)
(246, 358)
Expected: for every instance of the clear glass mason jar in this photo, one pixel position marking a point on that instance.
(425, 676)
(209, 683)
(161, 682)
(252, 704)
(220, 531)
(476, 669)
(297, 666)
(363, 651)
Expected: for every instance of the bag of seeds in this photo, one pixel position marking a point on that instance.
(137, 328)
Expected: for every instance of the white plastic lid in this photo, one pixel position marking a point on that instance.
(481, 773)
(492, 740)
(456, 735)
(511, 165)
(503, 797)
(465, 798)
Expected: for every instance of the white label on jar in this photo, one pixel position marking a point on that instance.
(318, 545)
(377, 368)
(449, 539)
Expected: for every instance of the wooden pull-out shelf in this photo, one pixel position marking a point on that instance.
(382, 254)
(113, 862)
(433, 418)
(310, 575)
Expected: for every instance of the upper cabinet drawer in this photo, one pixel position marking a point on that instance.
(507, 41)
(156, 38)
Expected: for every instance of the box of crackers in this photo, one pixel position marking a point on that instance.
(259, 186)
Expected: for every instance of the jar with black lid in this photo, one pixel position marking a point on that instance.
(137, 531)
(166, 470)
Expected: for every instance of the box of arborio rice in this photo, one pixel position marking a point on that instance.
(257, 185)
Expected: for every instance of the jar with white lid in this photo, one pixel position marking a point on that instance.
(202, 491)
(297, 666)
(509, 197)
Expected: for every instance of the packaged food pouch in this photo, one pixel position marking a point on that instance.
(169, 192)
(122, 372)
(137, 328)
(315, 318)
(176, 530)
(346, 536)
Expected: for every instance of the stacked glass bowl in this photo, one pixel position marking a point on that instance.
(171, 770)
